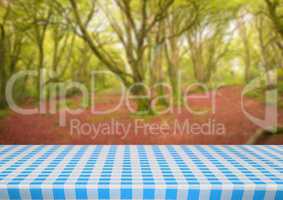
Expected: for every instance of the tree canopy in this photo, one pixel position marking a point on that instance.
(143, 42)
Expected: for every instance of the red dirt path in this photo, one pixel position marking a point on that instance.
(44, 128)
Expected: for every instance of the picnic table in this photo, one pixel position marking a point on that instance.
(141, 172)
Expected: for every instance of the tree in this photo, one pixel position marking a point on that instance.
(270, 56)
(11, 43)
(244, 35)
(206, 40)
(181, 19)
(134, 24)
(275, 14)
(39, 14)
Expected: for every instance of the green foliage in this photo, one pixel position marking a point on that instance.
(259, 93)
(47, 36)
(3, 114)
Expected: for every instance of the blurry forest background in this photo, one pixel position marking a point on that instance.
(215, 42)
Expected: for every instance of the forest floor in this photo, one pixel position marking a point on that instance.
(228, 125)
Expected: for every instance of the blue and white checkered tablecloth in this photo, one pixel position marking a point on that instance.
(141, 172)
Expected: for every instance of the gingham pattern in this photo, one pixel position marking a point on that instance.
(141, 172)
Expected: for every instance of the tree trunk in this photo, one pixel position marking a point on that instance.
(3, 77)
(201, 74)
(39, 68)
(262, 136)
(143, 104)
(247, 54)
(157, 73)
(173, 69)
